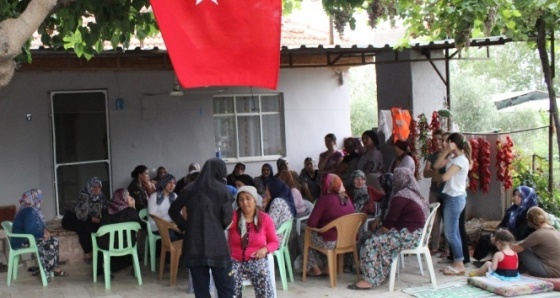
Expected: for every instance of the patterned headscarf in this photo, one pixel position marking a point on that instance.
(87, 189)
(528, 200)
(333, 185)
(405, 186)
(32, 198)
(119, 201)
(162, 183)
(279, 189)
(361, 195)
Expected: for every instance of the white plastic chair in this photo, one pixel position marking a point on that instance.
(299, 220)
(270, 259)
(421, 248)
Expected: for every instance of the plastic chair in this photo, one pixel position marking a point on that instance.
(421, 248)
(299, 220)
(175, 248)
(270, 259)
(346, 229)
(117, 232)
(14, 254)
(150, 242)
(282, 254)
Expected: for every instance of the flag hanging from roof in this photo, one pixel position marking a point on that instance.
(222, 42)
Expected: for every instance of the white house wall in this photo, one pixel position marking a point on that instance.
(153, 130)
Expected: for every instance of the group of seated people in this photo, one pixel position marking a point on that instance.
(340, 185)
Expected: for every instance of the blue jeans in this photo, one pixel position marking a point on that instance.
(223, 279)
(452, 208)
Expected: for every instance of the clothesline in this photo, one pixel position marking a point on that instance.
(505, 132)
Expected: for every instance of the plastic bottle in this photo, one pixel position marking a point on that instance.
(218, 152)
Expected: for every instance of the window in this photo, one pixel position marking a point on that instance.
(249, 126)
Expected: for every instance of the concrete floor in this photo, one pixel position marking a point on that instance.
(79, 284)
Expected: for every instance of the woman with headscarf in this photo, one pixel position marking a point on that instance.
(238, 170)
(332, 204)
(515, 220)
(161, 171)
(365, 198)
(205, 247)
(352, 147)
(86, 215)
(245, 180)
(404, 158)
(310, 180)
(159, 202)
(371, 160)
(252, 236)
(279, 203)
(401, 229)
(29, 219)
(262, 180)
(140, 188)
(120, 209)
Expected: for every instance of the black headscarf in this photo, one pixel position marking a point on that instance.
(246, 180)
(279, 189)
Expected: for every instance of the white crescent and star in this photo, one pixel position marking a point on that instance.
(199, 1)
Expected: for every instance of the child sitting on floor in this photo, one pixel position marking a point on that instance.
(504, 263)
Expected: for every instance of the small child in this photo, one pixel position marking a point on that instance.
(504, 263)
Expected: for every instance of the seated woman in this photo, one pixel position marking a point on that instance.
(238, 170)
(120, 209)
(279, 203)
(161, 171)
(159, 203)
(364, 197)
(514, 220)
(310, 180)
(287, 178)
(349, 163)
(30, 220)
(404, 158)
(538, 253)
(140, 188)
(283, 164)
(262, 180)
(244, 180)
(334, 203)
(401, 229)
(251, 236)
(85, 217)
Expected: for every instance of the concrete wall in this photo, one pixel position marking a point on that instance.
(153, 130)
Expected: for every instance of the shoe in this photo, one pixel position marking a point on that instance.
(450, 271)
(60, 273)
(478, 264)
(354, 286)
(33, 269)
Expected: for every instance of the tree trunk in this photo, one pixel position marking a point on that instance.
(15, 32)
(541, 45)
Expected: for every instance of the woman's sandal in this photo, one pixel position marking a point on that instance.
(450, 271)
(354, 286)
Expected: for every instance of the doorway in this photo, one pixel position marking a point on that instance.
(80, 127)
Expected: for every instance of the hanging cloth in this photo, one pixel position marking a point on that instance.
(385, 124)
(401, 124)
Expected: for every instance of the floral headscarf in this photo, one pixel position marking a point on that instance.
(32, 198)
(119, 201)
(528, 200)
(361, 195)
(87, 189)
(332, 184)
(405, 186)
(162, 183)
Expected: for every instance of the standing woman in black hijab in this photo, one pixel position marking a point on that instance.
(209, 213)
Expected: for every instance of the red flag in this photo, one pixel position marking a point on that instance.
(222, 42)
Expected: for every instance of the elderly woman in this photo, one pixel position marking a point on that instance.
(287, 178)
(208, 204)
(159, 202)
(120, 209)
(251, 237)
(333, 203)
(515, 220)
(279, 203)
(140, 188)
(365, 198)
(538, 253)
(262, 180)
(30, 220)
(401, 229)
(310, 181)
(85, 217)
(330, 159)
(404, 158)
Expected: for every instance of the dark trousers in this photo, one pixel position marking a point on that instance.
(223, 279)
(483, 247)
(464, 238)
(83, 228)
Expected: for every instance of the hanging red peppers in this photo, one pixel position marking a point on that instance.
(484, 164)
(423, 135)
(473, 173)
(504, 158)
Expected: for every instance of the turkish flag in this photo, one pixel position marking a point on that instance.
(222, 42)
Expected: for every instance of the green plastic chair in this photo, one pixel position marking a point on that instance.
(14, 255)
(150, 242)
(117, 232)
(282, 254)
